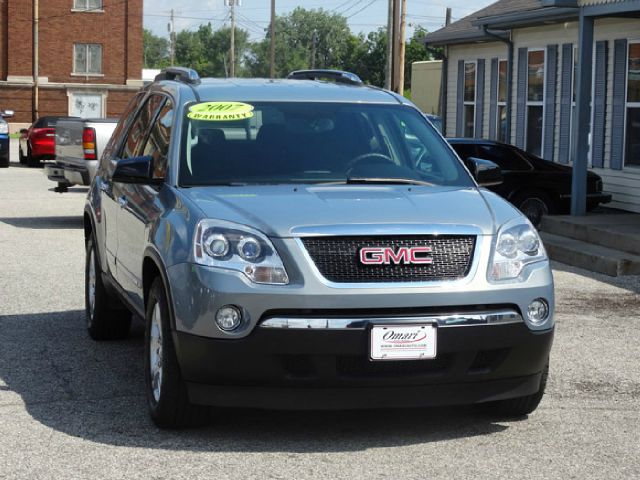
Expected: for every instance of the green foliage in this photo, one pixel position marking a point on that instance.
(297, 32)
(294, 43)
(155, 50)
(207, 51)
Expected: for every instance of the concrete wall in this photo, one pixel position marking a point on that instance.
(425, 85)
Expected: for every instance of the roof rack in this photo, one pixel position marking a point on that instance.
(337, 76)
(179, 74)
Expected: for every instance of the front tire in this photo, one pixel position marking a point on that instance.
(167, 395)
(103, 321)
(32, 162)
(534, 205)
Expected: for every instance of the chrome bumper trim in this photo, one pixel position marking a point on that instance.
(502, 317)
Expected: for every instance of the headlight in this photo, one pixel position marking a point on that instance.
(4, 128)
(237, 247)
(518, 245)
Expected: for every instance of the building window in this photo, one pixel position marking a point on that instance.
(87, 58)
(469, 98)
(87, 4)
(535, 101)
(632, 156)
(502, 101)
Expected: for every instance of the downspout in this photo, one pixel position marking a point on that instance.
(444, 81)
(509, 43)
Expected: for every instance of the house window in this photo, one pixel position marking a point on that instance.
(469, 98)
(87, 58)
(502, 102)
(87, 4)
(632, 156)
(535, 101)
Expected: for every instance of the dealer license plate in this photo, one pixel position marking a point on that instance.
(403, 342)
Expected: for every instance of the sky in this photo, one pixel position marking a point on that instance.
(253, 15)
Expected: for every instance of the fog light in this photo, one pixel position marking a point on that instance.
(228, 318)
(538, 311)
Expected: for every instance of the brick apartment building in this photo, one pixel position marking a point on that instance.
(90, 57)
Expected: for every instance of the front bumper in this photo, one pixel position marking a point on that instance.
(330, 369)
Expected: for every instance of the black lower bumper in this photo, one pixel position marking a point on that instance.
(306, 369)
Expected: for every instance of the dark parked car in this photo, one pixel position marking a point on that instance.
(537, 187)
(4, 138)
(38, 142)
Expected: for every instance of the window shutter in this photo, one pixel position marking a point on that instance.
(460, 100)
(599, 104)
(566, 101)
(521, 103)
(479, 120)
(618, 105)
(550, 102)
(493, 100)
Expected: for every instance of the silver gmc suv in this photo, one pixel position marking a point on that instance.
(310, 243)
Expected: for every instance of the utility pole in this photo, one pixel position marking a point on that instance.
(172, 38)
(395, 78)
(232, 52)
(272, 70)
(36, 60)
(403, 45)
(389, 66)
(314, 45)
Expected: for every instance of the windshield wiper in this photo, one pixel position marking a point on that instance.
(386, 181)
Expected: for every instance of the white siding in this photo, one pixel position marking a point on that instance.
(624, 184)
(468, 53)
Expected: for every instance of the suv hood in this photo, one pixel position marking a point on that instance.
(276, 210)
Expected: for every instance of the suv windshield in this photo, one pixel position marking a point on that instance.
(311, 142)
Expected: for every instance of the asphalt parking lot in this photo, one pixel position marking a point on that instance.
(73, 408)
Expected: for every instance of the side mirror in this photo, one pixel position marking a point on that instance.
(485, 172)
(8, 113)
(135, 170)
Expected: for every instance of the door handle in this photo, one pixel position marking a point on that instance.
(122, 201)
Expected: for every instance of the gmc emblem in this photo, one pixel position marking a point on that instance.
(388, 256)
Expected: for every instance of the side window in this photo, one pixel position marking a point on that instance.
(125, 119)
(505, 158)
(465, 150)
(157, 145)
(134, 142)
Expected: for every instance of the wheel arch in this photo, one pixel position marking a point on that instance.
(152, 268)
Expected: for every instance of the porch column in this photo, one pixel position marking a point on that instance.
(581, 123)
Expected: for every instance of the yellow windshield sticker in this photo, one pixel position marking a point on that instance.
(220, 111)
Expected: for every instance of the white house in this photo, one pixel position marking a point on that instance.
(513, 72)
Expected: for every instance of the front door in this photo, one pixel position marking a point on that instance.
(140, 204)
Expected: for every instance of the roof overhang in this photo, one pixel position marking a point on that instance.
(477, 36)
(528, 18)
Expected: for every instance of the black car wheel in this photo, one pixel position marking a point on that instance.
(167, 395)
(32, 162)
(4, 162)
(534, 205)
(103, 321)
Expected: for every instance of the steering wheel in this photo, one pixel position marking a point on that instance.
(371, 155)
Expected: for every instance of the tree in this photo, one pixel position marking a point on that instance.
(295, 35)
(207, 51)
(156, 50)
(369, 56)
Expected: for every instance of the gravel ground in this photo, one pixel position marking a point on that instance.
(72, 408)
